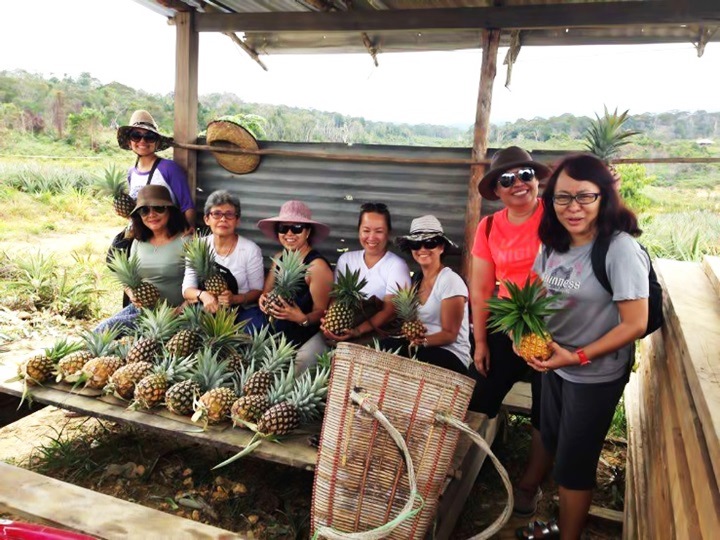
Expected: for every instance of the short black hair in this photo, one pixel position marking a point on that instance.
(376, 208)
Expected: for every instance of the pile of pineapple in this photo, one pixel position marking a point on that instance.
(198, 364)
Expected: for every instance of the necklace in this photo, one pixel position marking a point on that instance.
(229, 251)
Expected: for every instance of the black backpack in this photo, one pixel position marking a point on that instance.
(655, 308)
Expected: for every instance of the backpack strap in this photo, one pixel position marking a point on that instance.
(152, 170)
(598, 255)
(488, 226)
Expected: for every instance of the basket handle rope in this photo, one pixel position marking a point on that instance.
(503, 518)
(365, 402)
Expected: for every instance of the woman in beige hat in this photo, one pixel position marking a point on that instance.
(443, 296)
(505, 247)
(143, 138)
(158, 226)
(295, 229)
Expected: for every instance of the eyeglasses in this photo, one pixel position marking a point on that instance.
(508, 179)
(582, 198)
(430, 243)
(296, 228)
(145, 210)
(217, 214)
(137, 136)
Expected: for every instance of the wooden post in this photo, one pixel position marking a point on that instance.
(490, 43)
(186, 95)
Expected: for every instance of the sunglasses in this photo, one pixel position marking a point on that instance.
(508, 179)
(217, 214)
(145, 210)
(430, 243)
(150, 137)
(296, 228)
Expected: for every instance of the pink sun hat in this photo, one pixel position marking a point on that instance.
(294, 212)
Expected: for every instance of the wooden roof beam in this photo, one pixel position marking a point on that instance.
(597, 14)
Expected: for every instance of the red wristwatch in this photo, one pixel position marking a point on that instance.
(584, 360)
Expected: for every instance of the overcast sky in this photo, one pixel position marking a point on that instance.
(120, 40)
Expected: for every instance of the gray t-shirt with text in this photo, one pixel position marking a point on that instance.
(587, 311)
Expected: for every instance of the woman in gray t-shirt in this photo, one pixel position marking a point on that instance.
(593, 331)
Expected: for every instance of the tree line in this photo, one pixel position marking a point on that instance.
(81, 109)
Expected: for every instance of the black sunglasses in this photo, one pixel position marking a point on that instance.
(508, 179)
(296, 228)
(430, 243)
(137, 136)
(145, 210)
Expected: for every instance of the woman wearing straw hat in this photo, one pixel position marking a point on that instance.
(295, 229)
(238, 259)
(505, 247)
(383, 270)
(143, 138)
(443, 299)
(159, 246)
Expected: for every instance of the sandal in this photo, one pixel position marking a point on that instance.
(538, 529)
(526, 502)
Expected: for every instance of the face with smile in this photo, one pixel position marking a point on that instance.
(293, 236)
(222, 220)
(139, 143)
(373, 234)
(427, 253)
(580, 220)
(519, 193)
(156, 222)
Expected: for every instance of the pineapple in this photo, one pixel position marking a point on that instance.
(278, 354)
(71, 364)
(94, 344)
(249, 408)
(605, 136)
(348, 297)
(200, 258)
(214, 405)
(150, 390)
(219, 330)
(289, 271)
(406, 304)
(303, 404)
(234, 358)
(207, 373)
(115, 183)
(187, 340)
(127, 272)
(122, 382)
(155, 326)
(523, 314)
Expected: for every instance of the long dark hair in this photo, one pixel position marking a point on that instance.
(613, 215)
(175, 225)
(376, 208)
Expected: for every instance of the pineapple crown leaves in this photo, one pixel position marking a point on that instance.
(241, 378)
(376, 347)
(113, 181)
(523, 312)
(125, 268)
(289, 271)
(406, 302)
(347, 290)
(309, 393)
(175, 368)
(102, 343)
(278, 353)
(219, 329)
(200, 257)
(259, 340)
(209, 372)
(283, 385)
(158, 323)
(191, 316)
(605, 136)
(61, 348)
(324, 360)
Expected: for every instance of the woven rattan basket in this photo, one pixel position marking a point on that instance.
(361, 479)
(226, 133)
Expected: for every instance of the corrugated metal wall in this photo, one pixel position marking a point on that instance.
(334, 190)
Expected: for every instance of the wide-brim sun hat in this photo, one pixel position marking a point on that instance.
(424, 228)
(226, 132)
(143, 120)
(153, 195)
(504, 160)
(294, 212)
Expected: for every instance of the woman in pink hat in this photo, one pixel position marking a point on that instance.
(295, 229)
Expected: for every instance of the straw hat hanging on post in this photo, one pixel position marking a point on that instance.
(227, 133)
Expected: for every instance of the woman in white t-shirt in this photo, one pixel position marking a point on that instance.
(443, 300)
(238, 259)
(383, 270)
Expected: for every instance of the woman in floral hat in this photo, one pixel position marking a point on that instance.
(144, 139)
